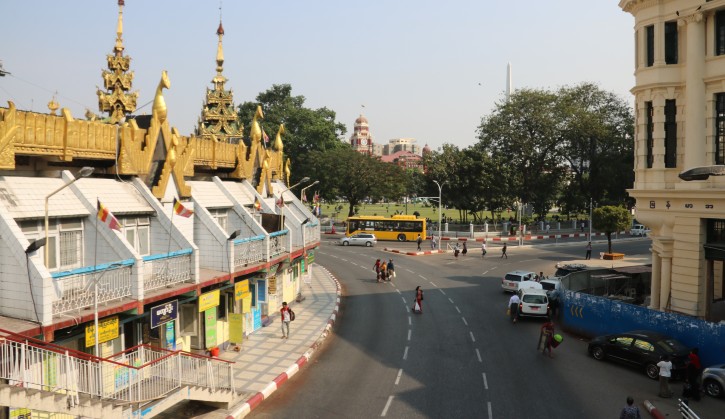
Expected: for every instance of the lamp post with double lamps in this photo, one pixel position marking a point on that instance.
(440, 193)
(281, 198)
(84, 172)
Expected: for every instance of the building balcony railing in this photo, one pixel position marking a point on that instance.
(312, 234)
(248, 251)
(76, 288)
(278, 243)
(166, 269)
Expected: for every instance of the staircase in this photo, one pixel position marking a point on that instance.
(137, 383)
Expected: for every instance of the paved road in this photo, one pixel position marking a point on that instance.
(461, 358)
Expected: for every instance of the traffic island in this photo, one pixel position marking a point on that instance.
(613, 256)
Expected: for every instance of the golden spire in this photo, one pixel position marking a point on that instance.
(119, 29)
(53, 105)
(220, 50)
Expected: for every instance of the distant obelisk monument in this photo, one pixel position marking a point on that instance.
(509, 86)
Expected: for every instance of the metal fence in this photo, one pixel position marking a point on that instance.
(76, 291)
(248, 250)
(166, 269)
(278, 243)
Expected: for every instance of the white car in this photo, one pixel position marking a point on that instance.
(512, 280)
(534, 302)
(550, 284)
(359, 239)
(639, 230)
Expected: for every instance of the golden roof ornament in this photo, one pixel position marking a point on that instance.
(53, 105)
(159, 107)
(117, 80)
(278, 139)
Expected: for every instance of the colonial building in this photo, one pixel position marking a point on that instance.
(679, 145)
(181, 242)
(401, 144)
(361, 139)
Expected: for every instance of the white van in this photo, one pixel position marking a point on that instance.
(639, 230)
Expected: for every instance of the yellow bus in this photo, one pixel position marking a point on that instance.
(398, 227)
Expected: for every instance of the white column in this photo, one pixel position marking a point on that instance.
(666, 282)
(656, 281)
(695, 92)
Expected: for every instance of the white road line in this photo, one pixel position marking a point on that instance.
(405, 354)
(449, 299)
(464, 321)
(409, 333)
(353, 263)
(472, 337)
(478, 354)
(490, 413)
(344, 260)
(424, 278)
(390, 400)
(398, 291)
(400, 373)
(530, 260)
(410, 321)
(404, 302)
(484, 272)
(431, 282)
(458, 310)
(442, 292)
(408, 270)
(485, 381)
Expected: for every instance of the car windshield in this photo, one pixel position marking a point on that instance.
(534, 299)
(671, 346)
(510, 277)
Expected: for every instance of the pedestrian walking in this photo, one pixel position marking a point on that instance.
(376, 268)
(465, 249)
(546, 338)
(694, 368)
(589, 251)
(419, 241)
(287, 315)
(582, 226)
(456, 250)
(665, 366)
(630, 411)
(391, 270)
(513, 307)
(418, 306)
(383, 271)
(433, 242)
(483, 249)
(503, 252)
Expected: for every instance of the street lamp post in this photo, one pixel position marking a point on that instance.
(520, 215)
(440, 190)
(85, 171)
(95, 281)
(281, 198)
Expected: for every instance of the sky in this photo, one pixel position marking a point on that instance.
(422, 69)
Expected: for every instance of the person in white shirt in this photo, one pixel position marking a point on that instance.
(665, 372)
(483, 249)
(514, 302)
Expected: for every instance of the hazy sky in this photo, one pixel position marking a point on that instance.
(423, 69)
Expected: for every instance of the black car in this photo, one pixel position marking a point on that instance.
(642, 349)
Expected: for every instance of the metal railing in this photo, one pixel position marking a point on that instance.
(76, 291)
(166, 269)
(248, 250)
(312, 234)
(137, 375)
(278, 243)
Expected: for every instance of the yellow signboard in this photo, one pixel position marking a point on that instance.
(236, 327)
(240, 288)
(208, 300)
(107, 330)
(246, 302)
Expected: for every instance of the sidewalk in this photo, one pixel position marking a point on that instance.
(266, 361)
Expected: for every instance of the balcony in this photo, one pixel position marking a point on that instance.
(76, 287)
(278, 243)
(248, 251)
(166, 269)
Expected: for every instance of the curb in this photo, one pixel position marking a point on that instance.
(527, 237)
(402, 252)
(254, 401)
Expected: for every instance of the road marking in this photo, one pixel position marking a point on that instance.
(458, 310)
(353, 263)
(490, 413)
(409, 332)
(405, 354)
(431, 282)
(442, 292)
(472, 337)
(344, 260)
(484, 272)
(400, 373)
(530, 260)
(478, 354)
(398, 291)
(464, 321)
(485, 381)
(390, 400)
(449, 299)
(404, 302)
(424, 278)
(410, 320)
(409, 270)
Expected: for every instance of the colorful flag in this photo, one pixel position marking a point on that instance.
(303, 197)
(105, 215)
(265, 137)
(181, 210)
(257, 204)
(280, 202)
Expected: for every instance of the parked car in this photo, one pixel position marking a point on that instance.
(639, 230)
(713, 380)
(641, 349)
(550, 285)
(534, 302)
(359, 239)
(511, 280)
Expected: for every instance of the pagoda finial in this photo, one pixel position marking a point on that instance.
(53, 105)
(119, 29)
(220, 50)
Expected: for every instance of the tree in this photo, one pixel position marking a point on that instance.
(306, 130)
(610, 219)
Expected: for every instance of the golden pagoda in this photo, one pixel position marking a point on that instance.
(219, 119)
(117, 80)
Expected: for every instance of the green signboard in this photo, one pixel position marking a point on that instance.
(210, 327)
(310, 257)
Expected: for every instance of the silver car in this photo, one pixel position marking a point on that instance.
(359, 239)
(713, 380)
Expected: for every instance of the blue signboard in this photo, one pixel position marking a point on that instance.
(257, 313)
(164, 313)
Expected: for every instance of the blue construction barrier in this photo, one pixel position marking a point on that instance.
(590, 315)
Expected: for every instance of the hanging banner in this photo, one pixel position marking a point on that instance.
(236, 327)
(107, 330)
(210, 327)
(164, 313)
(208, 300)
(170, 336)
(240, 288)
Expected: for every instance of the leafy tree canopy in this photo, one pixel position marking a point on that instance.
(610, 219)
